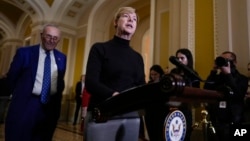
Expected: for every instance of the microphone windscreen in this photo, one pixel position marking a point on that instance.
(174, 60)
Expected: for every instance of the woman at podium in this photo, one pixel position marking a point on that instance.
(114, 66)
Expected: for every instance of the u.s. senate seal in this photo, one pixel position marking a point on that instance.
(175, 126)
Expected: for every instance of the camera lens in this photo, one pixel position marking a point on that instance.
(220, 61)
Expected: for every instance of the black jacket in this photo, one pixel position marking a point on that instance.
(78, 91)
(234, 87)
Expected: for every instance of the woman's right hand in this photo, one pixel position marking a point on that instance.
(115, 93)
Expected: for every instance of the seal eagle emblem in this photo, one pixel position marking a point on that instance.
(175, 126)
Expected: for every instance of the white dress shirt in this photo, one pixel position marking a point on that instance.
(39, 74)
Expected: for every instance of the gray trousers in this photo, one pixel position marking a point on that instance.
(126, 129)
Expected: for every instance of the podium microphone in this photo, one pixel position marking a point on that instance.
(174, 60)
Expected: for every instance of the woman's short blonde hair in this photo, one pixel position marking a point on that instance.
(123, 10)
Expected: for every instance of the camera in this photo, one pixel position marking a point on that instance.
(220, 61)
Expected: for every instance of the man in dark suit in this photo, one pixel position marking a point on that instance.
(78, 97)
(227, 111)
(30, 117)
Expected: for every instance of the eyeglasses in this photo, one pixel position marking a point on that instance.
(49, 37)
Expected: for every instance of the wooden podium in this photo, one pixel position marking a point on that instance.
(170, 88)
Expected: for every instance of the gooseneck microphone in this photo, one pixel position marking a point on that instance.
(174, 60)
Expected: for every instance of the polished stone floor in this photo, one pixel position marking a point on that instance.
(68, 132)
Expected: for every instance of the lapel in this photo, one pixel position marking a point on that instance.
(58, 60)
(34, 59)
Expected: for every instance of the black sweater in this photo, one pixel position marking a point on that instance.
(112, 66)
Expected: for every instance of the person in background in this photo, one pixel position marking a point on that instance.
(155, 73)
(78, 97)
(247, 98)
(114, 66)
(85, 103)
(227, 111)
(156, 112)
(36, 81)
(186, 58)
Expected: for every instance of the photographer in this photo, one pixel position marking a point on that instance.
(229, 110)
